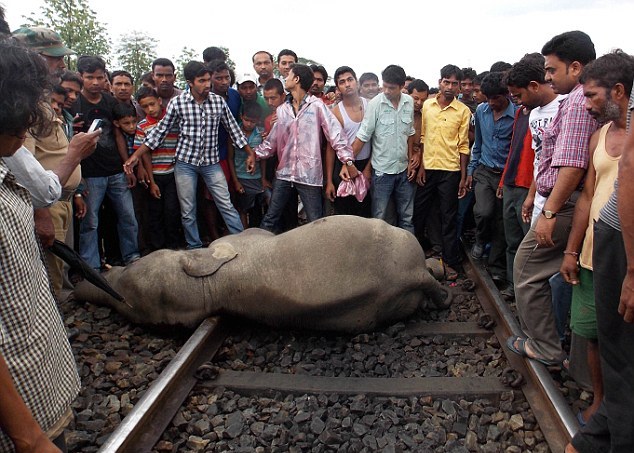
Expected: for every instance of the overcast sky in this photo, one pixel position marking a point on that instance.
(336, 33)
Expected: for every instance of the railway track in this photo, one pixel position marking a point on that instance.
(391, 366)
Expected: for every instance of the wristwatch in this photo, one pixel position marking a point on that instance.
(549, 214)
(350, 163)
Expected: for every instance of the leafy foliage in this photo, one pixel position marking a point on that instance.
(187, 54)
(135, 54)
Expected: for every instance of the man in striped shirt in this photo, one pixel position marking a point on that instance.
(198, 113)
(163, 208)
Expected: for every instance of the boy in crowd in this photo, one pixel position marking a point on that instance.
(560, 172)
(349, 112)
(527, 85)
(478, 95)
(296, 140)
(248, 186)
(466, 89)
(263, 66)
(163, 209)
(285, 60)
(606, 84)
(102, 171)
(444, 155)
(274, 95)
(419, 91)
(124, 117)
(494, 128)
(123, 87)
(197, 149)
(389, 124)
(72, 83)
(317, 89)
(369, 85)
(58, 101)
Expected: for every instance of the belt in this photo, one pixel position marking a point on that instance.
(67, 195)
(497, 171)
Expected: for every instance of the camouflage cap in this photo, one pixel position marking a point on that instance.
(42, 40)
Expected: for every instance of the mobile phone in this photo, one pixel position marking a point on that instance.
(96, 124)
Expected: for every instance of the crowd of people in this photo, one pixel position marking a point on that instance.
(527, 161)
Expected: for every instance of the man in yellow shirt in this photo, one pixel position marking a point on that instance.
(444, 139)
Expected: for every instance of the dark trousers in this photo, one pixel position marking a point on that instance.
(164, 215)
(514, 227)
(488, 217)
(464, 218)
(350, 205)
(611, 428)
(441, 186)
(60, 442)
(140, 197)
(311, 197)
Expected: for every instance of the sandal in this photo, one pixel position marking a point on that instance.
(520, 350)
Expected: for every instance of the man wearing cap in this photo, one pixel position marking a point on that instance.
(50, 149)
(48, 44)
(247, 87)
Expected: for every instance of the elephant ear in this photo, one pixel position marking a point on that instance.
(205, 262)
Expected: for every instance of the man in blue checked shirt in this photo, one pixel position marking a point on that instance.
(198, 113)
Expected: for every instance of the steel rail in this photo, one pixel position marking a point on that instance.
(144, 425)
(552, 411)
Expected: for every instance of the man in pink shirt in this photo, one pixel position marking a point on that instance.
(296, 140)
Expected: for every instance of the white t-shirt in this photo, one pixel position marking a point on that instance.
(538, 121)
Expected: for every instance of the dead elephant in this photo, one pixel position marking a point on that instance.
(340, 273)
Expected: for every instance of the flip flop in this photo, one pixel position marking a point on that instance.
(521, 351)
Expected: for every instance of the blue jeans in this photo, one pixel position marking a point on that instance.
(116, 187)
(186, 184)
(383, 187)
(562, 300)
(282, 190)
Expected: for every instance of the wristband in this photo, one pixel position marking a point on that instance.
(568, 252)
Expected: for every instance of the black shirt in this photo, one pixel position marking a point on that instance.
(105, 161)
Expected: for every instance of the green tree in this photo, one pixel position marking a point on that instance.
(135, 54)
(308, 61)
(187, 54)
(230, 62)
(300, 60)
(77, 24)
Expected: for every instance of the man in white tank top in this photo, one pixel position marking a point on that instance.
(349, 112)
